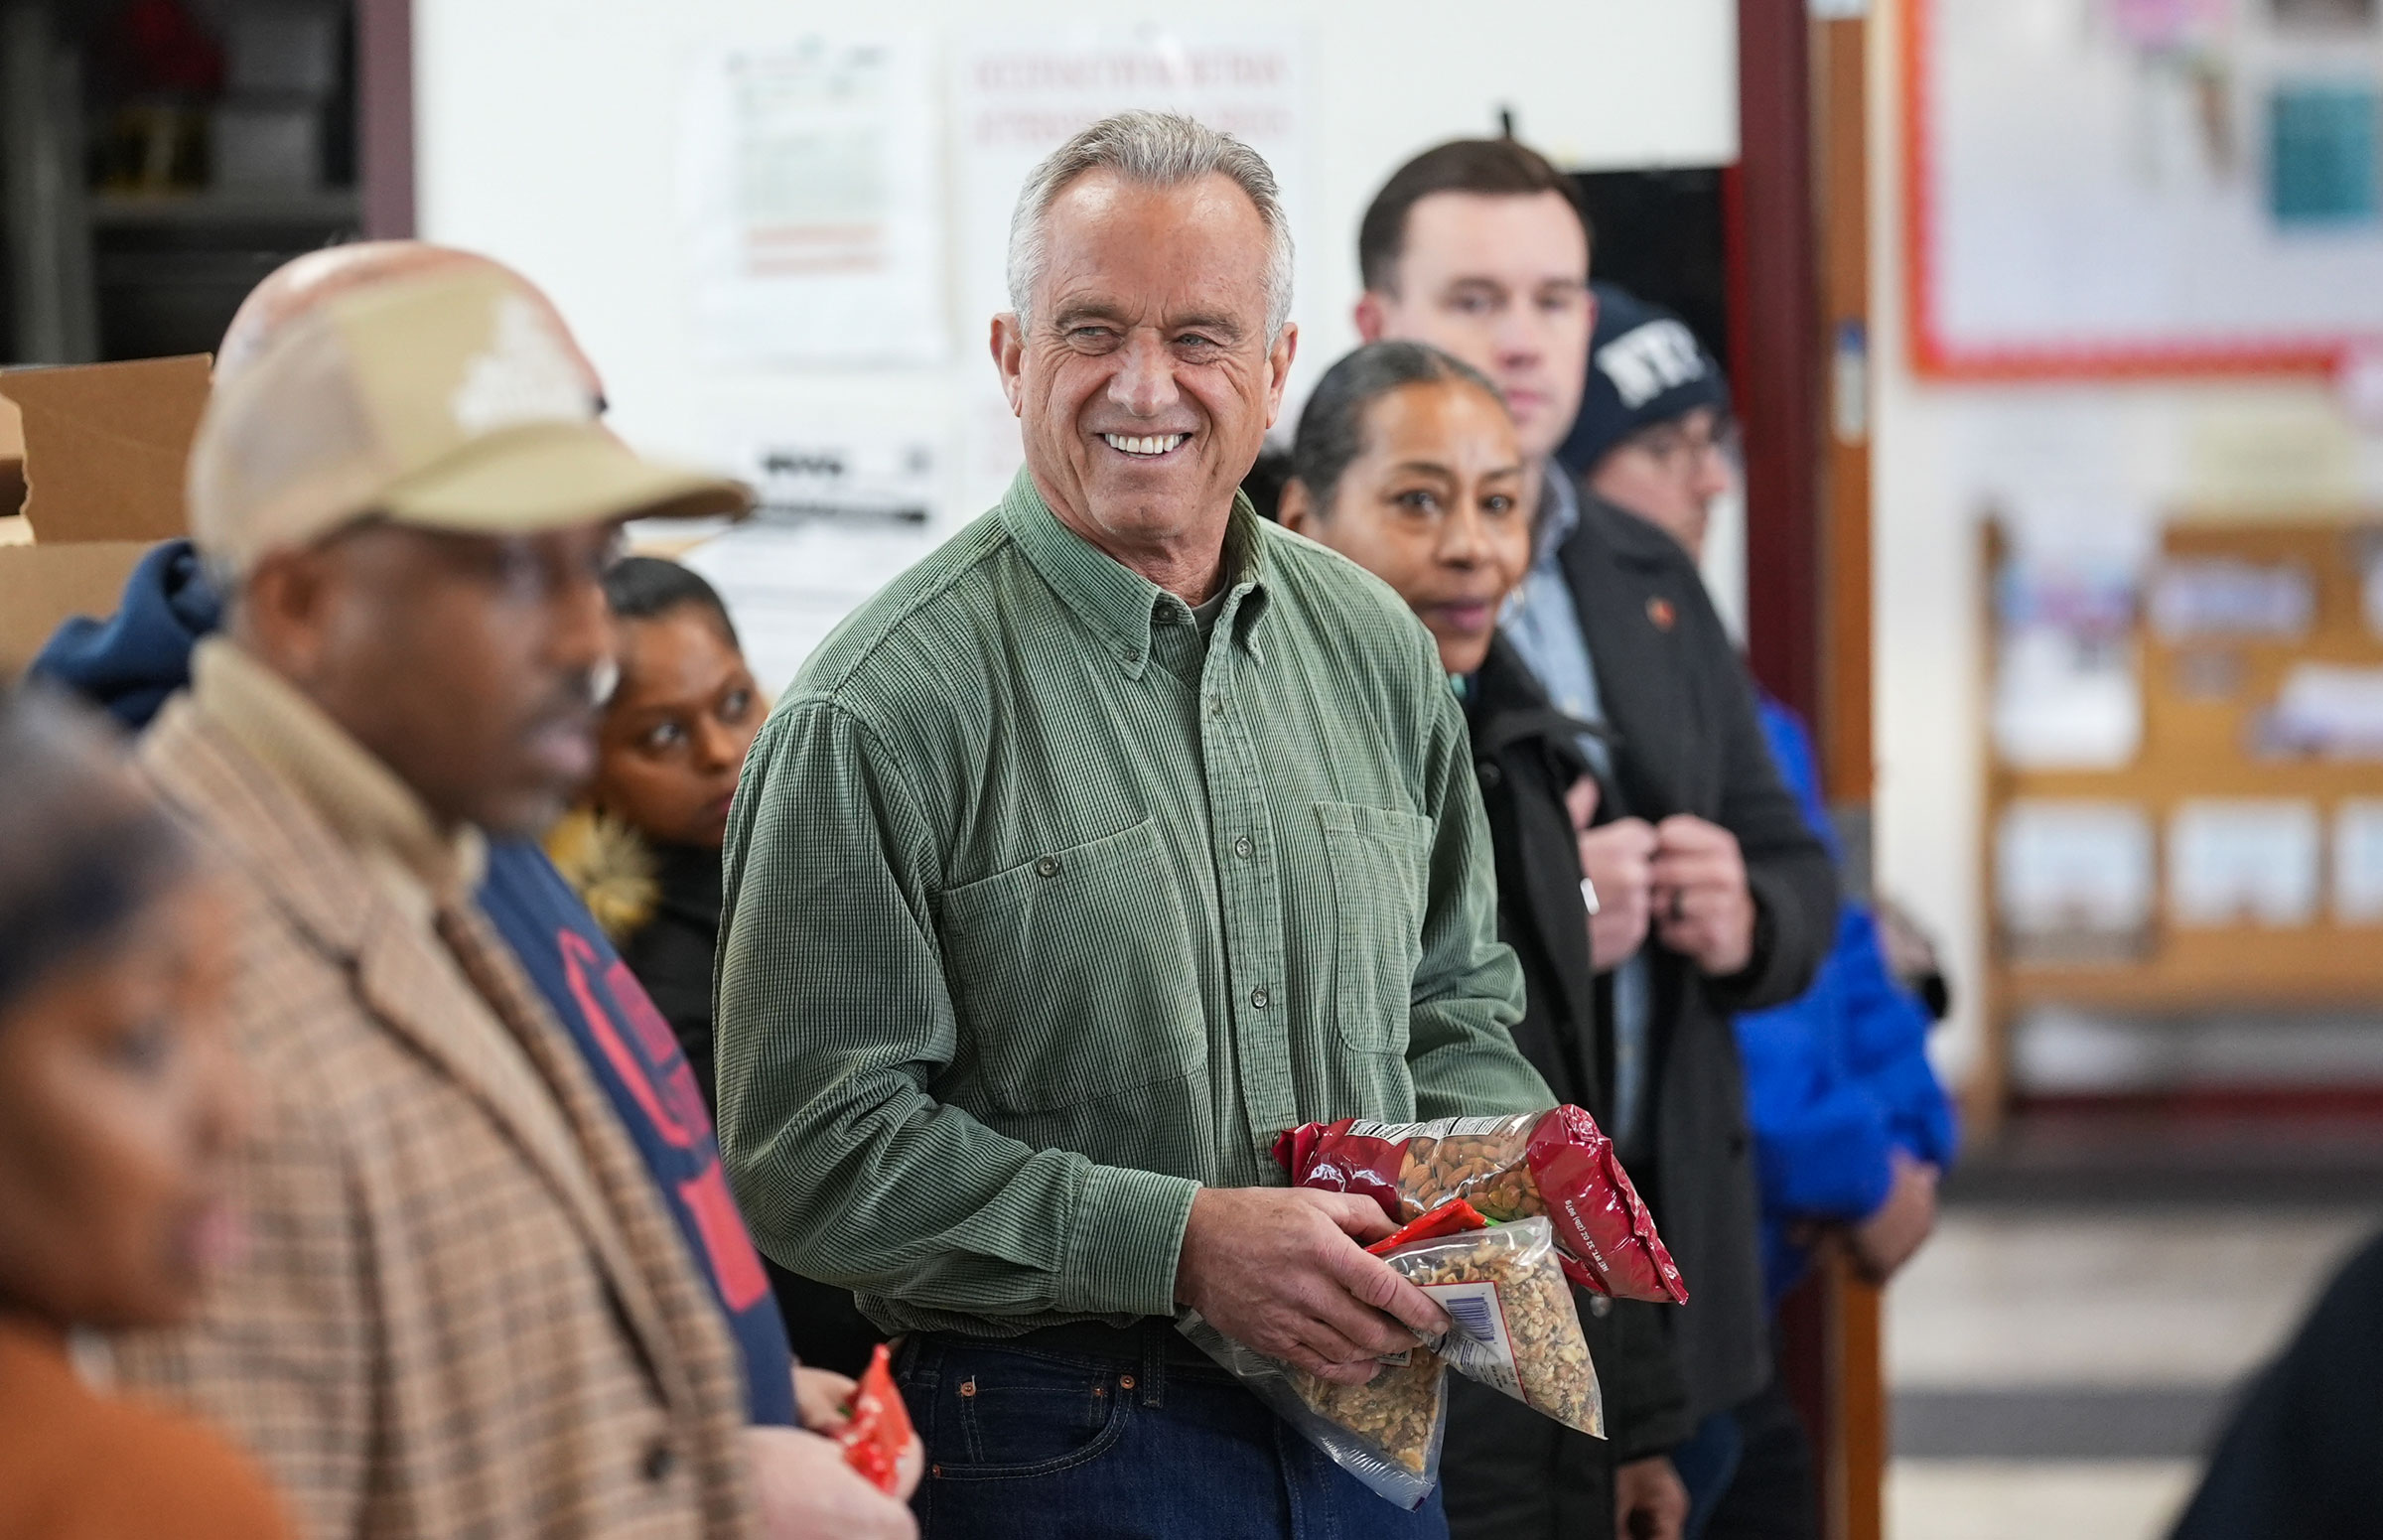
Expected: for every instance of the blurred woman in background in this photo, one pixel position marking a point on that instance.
(643, 851)
(118, 1108)
(1407, 463)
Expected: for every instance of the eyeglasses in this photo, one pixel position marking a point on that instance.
(1681, 452)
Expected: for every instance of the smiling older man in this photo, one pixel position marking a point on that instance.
(1121, 833)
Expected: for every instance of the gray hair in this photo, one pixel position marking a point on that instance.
(1158, 150)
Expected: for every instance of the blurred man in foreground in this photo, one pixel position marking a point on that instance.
(1714, 895)
(1119, 835)
(469, 1309)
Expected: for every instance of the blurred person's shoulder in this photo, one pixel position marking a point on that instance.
(298, 907)
(75, 1465)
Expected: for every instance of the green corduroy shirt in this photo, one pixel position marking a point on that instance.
(1044, 910)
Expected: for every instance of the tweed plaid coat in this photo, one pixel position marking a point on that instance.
(464, 1313)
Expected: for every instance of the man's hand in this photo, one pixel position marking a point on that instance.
(823, 1400)
(1277, 1269)
(1884, 1241)
(1703, 908)
(803, 1491)
(1649, 1500)
(1617, 859)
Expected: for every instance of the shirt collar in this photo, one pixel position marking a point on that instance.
(359, 795)
(1559, 512)
(1118, 601)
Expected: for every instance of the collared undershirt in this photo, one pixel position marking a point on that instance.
(1545, 629)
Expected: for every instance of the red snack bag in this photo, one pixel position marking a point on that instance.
(880, 1430)
(1558, 1164)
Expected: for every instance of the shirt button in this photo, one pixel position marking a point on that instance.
(661, 1461)
(1215, 705)
(1046, 866)
(1244, 848)
(1260, 1000)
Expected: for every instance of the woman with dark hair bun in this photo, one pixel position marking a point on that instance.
(118, 1108)
(1407, 463)
(643, 850)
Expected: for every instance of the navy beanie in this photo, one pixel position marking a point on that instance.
(1644, 367)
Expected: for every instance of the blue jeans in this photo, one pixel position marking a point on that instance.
(1027, 1441)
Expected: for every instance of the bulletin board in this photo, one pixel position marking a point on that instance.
(2109, 187)
(2214, 734)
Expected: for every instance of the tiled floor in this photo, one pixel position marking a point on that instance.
(2059, 1370)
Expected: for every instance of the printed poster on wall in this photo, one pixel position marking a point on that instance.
(1019, 93)
(809, 202)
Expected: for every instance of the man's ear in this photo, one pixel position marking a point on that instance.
(1371, 322)
(1295, 511)
(280, 610)
(1009, 354)
(1278, 365)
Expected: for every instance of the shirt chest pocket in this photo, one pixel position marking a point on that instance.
(1380, 861)
(1073, 974)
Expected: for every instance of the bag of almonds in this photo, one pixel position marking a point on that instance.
(1556, 1163)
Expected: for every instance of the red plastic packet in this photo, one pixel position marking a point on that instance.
(1559, 1164)
(880, 1430)
(1447, 1219)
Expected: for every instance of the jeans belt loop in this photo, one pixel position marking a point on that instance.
(1153, 1362)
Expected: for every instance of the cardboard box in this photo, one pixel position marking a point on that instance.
(12, 459)
(103, 450)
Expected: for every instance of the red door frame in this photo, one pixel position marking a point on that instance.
(385, 58)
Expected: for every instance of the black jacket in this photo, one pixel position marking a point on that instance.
(1680, 713)
(671, 953)
(2298, 1461)
(1510, 1474)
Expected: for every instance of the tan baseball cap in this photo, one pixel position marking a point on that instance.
(450, 401)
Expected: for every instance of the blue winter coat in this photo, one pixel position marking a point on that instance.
(1839, 1076)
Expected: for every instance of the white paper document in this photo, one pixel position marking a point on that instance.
(2237, 859)
(2068, 691)
(2211, 600)
(808, 201)
(2331, 710)
(2073, 866)
(2359, 862)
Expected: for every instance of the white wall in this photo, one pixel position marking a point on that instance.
(1945, 454)
(547, 131)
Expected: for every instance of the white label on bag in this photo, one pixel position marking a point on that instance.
(1440, 1128)
(1478, 1349)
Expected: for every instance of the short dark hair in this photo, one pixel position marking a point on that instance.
(83, 851)
(643, 588)
(1489, 166)
(1331, 427)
